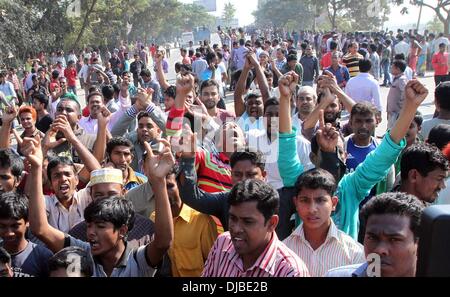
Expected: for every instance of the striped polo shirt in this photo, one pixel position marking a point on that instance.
(275, 261)
(338, 250)
(352, 63)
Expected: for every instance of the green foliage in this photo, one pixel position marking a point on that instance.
(435, 25)
(341, 14)
(229, 11)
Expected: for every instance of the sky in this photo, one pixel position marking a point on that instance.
(246, 7)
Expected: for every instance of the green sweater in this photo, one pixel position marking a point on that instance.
(353, 187)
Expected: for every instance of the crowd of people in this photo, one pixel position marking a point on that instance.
(151, 178)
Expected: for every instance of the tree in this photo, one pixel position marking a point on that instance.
(278, 14)
(440, 7)
(435, 25)
(229, 12)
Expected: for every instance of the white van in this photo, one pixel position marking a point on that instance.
(186, 37)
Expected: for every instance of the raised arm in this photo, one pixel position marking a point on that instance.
(53, 238)
(5, 130)
(327, 98)
(103, 117)
(329, 81)
(239, 103)
(160, 73)
(156, 168)
(260, 77)
(415, 94)
(89, 161)
(289, 163)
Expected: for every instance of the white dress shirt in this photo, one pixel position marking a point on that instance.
(364, 87)
(257, 140)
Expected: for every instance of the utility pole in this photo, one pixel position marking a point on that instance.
(420, 16)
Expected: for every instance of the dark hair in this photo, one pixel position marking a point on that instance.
(267, 198)
(442, 95)
(5, 257)
(210, 56)
(363, 108)
(400, 56)
(273, 101)
(92, 94)
(241, 41)
(249, 80)
(9, 159)
(400, 64)
(143, 114)
(65, 257)
(256, 158)
(107, 92)
(116, 210)
(146, 72)
(268, 74)
(291, 57)
(117, 141)
(333, 45)
(418, 118)
(171, 92)
(42, 98)
(13, 206)
(55, 161)
(439, 136)
(209, 83)
(316, 179)
(424, 158)
(395, 203)
(373, 47)
(365, 65)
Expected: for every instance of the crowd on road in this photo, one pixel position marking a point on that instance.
(157, 177)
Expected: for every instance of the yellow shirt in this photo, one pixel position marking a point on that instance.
(194, 235)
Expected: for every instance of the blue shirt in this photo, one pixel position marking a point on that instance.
(342, 74)
(357, 154)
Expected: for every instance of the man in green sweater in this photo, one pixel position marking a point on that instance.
(353, 187)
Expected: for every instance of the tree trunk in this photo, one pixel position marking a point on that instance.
(85, 23)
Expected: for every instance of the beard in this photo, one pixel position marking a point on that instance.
(331, 118)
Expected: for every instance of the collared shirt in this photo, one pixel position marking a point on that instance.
(62, 218)
(364, 88)
(90, 125)
(396, 94)
(276, 260)
(341, 73)
(134, 179)
(239, 57)
(339, 249)
(194, 235)
(258, 140)
(133, 262)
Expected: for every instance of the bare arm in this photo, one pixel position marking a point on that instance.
(89, 161)
(415, 93)
(260, 77)
(160, 73)
(53, 238)
(158, 166)
(286, 85)
(5, 130)
(239, 104)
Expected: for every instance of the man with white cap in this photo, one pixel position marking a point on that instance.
(108, 182)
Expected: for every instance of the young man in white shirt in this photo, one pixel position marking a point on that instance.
(364, 87)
